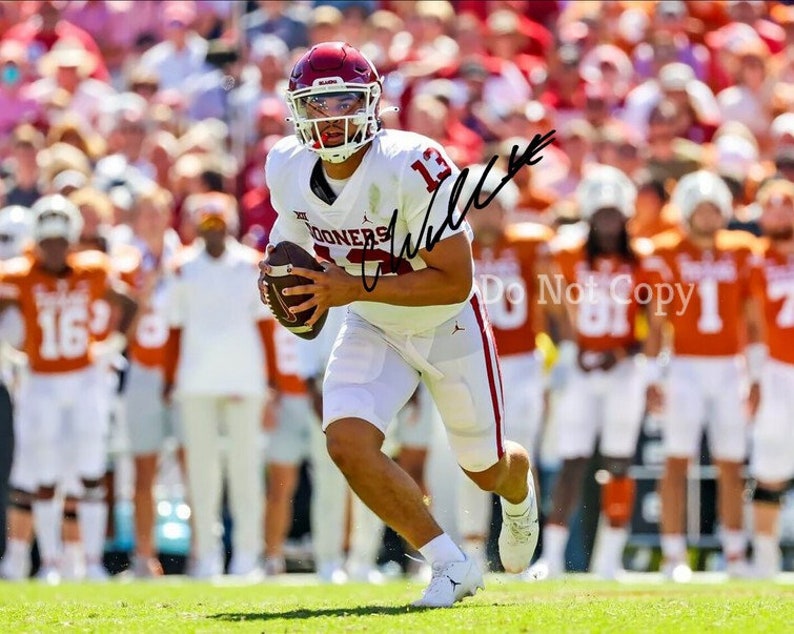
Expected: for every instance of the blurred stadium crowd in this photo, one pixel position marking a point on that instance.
(150, 117)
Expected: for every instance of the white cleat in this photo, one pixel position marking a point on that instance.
(519, 535)
(96, 572)
(677, 572)
(542, 570)
(451, 582)
(332, 573)
(49, 575)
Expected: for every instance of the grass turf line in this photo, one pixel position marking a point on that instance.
(563, 606)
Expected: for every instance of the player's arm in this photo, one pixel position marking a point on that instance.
(755, 351)
(446, 280)
(118, 295)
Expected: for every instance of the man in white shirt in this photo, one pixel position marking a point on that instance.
(369, 186)
(215, 365)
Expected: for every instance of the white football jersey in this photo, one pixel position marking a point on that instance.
(399, 175)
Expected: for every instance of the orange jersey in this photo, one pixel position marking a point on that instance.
(508, 281)
(772, 282)
(707, 291)
(282, 353)
(150, 334)
(125, 266)
(603, 299)
(58, 311)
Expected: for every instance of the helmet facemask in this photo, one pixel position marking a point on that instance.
(355, 113)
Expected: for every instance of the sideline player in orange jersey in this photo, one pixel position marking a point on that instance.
(771, 459)
(54, 288)
(150, 420)
(706, 270)
(596, 291)
(506, 264)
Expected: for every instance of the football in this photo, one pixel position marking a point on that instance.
(284, 257)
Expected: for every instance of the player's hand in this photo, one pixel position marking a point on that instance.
(331, 287)
(270, 411)
(753, 400)
(168, 391)
(654, 398)
(264, 268)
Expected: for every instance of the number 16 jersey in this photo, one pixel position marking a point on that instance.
(401, 171)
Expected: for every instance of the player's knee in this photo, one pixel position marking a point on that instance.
(490, 479)
(767, 495)
(20, 500)
(45, 493)
(93, 490)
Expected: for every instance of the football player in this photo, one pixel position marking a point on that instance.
(16, 496)
(380, 207)
(771, 459)
(150, 420)
(595, 290)
(507, 261)
(54, 288)
(704, 272)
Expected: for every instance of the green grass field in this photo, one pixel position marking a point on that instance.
(562, 606)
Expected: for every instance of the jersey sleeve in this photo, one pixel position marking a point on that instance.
(428, 180)
(287, 227)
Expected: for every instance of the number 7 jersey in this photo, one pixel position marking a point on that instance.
(57, 311)
(773, 284)
(401, 171)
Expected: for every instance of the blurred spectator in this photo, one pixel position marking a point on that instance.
(16, 105)
(564, 93)
(45, 28)
(325, 25)
(271, 57)
(576, 140)
(181, 55)
(669, 42)
(651, 215)
(273, 17)
(67, 83)
(748, 100)
(22, 186)
(669, 157)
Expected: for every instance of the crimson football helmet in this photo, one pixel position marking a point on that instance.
(333, 95)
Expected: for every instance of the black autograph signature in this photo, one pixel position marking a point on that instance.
(530, 156)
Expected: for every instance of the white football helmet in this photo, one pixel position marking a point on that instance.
(339, 70)
(16, 230)
(702, 187)
(602, 187)
(56, 217)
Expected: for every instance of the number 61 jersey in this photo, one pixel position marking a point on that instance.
(404, 180)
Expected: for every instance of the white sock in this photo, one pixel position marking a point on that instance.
(47, 520)
(734, 544)
(612, 541)
(441, 549)
(73, 560)
(16, 561)
(766, 555)
(523, 506)
(674, 548)
(555, 539)
(93, 518)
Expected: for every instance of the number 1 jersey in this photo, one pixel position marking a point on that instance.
(405, 180)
